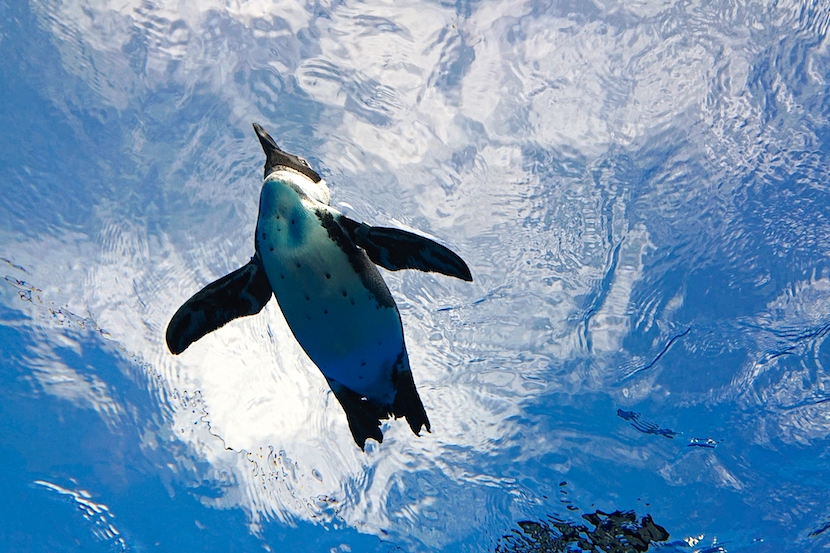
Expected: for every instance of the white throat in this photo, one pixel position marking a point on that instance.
(305, 187)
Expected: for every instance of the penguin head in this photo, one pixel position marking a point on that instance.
(277, 159)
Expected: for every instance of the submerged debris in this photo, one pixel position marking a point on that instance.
(617, 532)
(645, 427)
(13, 265)
(707, 443)
(821, 530)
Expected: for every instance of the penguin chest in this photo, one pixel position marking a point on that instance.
(328, 292)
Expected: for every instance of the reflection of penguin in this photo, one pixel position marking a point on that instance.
(318, 263)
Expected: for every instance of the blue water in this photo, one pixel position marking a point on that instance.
(640, 190)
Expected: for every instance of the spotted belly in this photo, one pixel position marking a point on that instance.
(333, 299)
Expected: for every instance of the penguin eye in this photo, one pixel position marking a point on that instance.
(304, 162)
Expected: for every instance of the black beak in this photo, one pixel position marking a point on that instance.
(268, 144)
(276, 158)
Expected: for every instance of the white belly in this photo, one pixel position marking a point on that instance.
(347, 332)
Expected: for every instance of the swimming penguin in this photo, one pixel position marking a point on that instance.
(321, 267)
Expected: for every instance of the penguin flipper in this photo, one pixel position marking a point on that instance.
(243, 292)
(396, 249)
(363, 414)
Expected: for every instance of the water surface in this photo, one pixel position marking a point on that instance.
(639, 188)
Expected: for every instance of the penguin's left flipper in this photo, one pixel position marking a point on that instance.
(396, 249)
(243, 292)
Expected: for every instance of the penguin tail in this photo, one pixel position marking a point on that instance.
(364, 414)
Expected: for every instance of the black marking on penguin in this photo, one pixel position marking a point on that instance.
(369, 276)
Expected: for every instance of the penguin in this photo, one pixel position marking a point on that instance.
(320, 266)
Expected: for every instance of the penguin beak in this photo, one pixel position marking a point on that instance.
(275, 157)
(268, 144)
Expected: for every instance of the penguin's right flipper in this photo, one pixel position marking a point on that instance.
(243, 292)
(396, 249)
